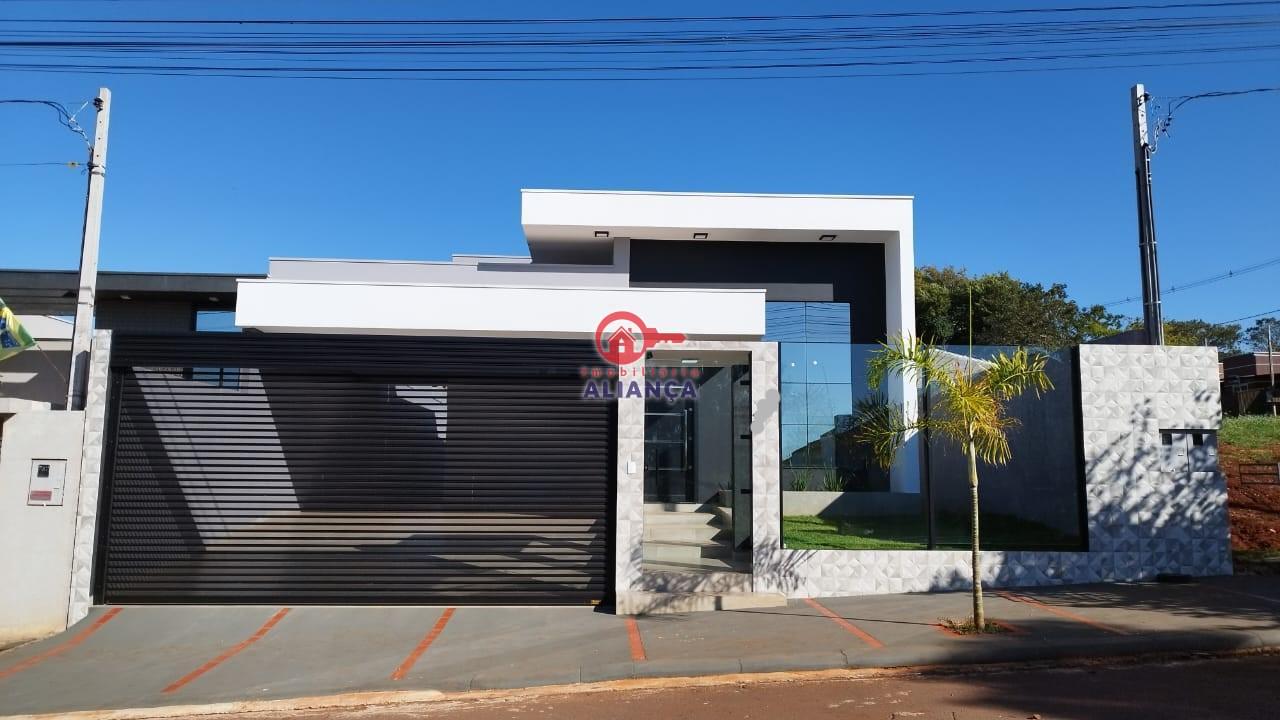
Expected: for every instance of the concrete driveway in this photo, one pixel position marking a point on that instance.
(137, 657)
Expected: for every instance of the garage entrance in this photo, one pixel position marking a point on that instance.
(354, 470)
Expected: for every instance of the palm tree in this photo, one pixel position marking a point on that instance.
(970, 409)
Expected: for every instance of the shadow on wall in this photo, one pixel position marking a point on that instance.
(1147, 513)
(1040, 486)
(245, 486)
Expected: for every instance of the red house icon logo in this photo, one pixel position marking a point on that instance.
(622, 338)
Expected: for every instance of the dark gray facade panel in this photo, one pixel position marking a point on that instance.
(833, 272)
(147, 316)
(256, 469)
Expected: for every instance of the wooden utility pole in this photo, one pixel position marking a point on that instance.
(1152, 315)
(82, 333)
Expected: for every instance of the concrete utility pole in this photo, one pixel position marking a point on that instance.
(1152, 316)
(82, 334)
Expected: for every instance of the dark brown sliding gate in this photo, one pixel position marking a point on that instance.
(339, 469)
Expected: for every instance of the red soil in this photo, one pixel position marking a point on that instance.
(1254, 508)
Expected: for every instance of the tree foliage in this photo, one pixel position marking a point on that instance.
(1256, 336)
(1198, 332)
(1006, 311)
(970, 410)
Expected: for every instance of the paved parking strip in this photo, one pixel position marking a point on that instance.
(130, 660)
(128, 657)
(489, 647)
(227, 654)
(92, 626)
(319, 650)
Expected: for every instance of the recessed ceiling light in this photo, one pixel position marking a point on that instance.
(602, 233)
(827, 238)
(213, 298)
(125, 297)
(699, 236)
(688, 361)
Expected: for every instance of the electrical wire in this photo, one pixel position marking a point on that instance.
(69, 164)
(1229, 274)
(1248, 317)
(659, 19)
(65, 116)
(779, 46)
(1163, 124)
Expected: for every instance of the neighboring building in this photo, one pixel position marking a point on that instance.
(1247, 385)
(447, 432)
(126, 301)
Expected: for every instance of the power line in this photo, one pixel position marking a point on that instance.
(65, 116)
(807, 46)
(1248, 317)
(1162, 126)
(69, 164)
(652, 19)
(1229, 274)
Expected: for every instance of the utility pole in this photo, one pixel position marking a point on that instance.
(1271, 369)
(1152, 316)
(82, 333)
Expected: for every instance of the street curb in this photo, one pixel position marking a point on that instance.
(410, 697)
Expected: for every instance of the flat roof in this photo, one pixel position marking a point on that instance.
(53, 292)
(579, 226)
(679, 193)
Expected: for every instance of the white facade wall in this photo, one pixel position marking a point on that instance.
(494, 311)
(36, 540)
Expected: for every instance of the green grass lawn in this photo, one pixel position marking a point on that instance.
(999, 532)
(813, 533)
(1250, 432)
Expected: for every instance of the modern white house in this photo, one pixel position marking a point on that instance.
(652, 410)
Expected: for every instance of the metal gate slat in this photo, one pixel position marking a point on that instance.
(316, 469)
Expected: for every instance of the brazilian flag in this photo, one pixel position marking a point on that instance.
(13, 337)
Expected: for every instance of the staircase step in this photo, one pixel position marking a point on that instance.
(682, 519)
(723, 515)
(690, 552)
(686, 533)
(667, 578)
(672, 508)
(657, 603)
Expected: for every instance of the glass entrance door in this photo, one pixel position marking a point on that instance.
(668, 451)
(698, 450)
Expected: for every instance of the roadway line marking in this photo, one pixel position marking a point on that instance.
(422, 646)
(1060, 612)
(848, 626)
(59, 649)
(637, 643)
(228, 653)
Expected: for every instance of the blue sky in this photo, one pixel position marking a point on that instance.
(1030, 173)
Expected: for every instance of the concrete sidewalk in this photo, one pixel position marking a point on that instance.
(138, 657)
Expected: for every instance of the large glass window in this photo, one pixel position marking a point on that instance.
(836, 497)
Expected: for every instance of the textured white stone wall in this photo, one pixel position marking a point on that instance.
(1141, 521)
(81, 597)
(629, 517)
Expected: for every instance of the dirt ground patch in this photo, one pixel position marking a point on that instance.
(1254, 508)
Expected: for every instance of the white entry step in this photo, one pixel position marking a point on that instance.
(659, 603)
